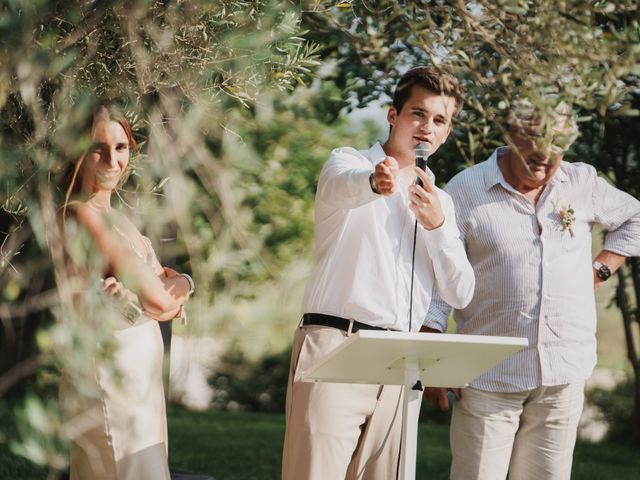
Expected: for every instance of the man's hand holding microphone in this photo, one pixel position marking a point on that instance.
(423, 198)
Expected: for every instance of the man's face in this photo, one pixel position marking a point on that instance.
(425, 117)
(534, 162)
(538, 151)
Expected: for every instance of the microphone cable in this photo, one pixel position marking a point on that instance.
(422, 151)
(413, 266)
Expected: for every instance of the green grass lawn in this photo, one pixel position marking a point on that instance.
(247, 446)
(244, 446)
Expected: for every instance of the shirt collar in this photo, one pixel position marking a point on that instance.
(493, 175)
(376, 154)
(561, 175)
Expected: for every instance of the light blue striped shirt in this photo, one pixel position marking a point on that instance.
(533, 278)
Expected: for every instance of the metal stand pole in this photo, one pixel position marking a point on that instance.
(410, 414)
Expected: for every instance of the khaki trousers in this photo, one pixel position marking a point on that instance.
(530, 434)
(337, 431)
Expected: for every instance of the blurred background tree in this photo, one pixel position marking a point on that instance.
(613, 147)
(237, 104)
(190, 75)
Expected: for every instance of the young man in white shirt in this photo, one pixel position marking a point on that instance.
(526, 218)
(366, 205)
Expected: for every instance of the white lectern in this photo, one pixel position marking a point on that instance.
(399, 358)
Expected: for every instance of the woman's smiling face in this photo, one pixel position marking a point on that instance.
(107, 160)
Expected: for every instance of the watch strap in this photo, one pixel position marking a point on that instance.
(372, 183)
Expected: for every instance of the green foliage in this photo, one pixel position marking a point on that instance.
(502, 51)
(188, 68)
(122, 48)
(612, 145)
(616, 407)
(242, 385)
(40, 430)
(290, 143)
(187, 74)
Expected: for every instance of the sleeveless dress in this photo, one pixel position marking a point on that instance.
(123, 433)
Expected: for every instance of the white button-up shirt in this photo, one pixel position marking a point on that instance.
(534, 278)
(364, 248)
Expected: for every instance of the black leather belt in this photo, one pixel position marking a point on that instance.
(336, 322)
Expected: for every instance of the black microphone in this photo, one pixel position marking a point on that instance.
(422, 151)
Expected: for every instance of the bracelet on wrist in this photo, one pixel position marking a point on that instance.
(192, 285)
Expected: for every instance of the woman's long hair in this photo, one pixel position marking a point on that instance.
(104, 111)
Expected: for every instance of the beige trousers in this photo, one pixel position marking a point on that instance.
(530, 434)
(337, 431)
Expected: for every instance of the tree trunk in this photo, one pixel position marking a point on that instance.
(628, 317)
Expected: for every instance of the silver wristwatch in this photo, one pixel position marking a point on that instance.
(602, 271)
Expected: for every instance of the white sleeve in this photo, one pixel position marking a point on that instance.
(454, 278)
(344, 180)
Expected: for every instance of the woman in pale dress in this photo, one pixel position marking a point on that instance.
(125, 430)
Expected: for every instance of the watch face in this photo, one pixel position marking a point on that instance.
(604, 272)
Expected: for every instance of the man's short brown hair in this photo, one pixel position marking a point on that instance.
(432, 79)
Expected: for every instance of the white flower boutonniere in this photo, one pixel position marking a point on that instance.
(568, 218)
